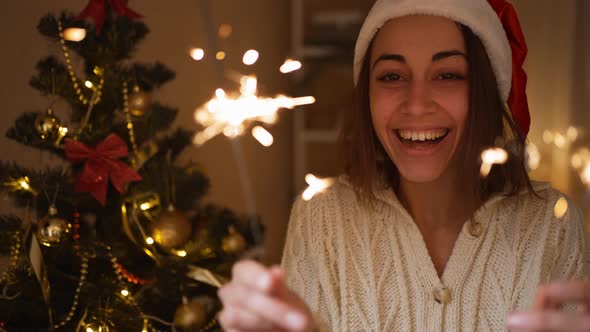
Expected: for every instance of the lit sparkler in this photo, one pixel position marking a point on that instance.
(231, 115)
(250, 57)
(315, 186)
(290, 66)
(491, 157)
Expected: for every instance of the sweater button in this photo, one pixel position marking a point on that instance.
(473, 229)
(442, 295)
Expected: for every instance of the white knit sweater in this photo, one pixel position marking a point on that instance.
(369, 270)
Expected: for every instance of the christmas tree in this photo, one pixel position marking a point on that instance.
(118, 238)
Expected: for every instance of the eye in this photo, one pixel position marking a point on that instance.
(451, 76)
(390, 77)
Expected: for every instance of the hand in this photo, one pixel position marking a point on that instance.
(257, 299)
(546, 316)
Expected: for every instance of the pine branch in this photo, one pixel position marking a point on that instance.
(52, 78)
(176, 142)
(24, 132)
(149, 76)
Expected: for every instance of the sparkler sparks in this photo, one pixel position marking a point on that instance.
(250, 57)
(262, 136)
(315, 186)
(197, 54)
(290, 66)
(491, 157)
(231, 115)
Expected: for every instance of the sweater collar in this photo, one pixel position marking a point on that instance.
(388, 196)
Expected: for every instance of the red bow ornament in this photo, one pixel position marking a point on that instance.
(97, 10)
(517, 99)
(101, 165)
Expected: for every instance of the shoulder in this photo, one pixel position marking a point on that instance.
(541, 209)
(326, 211)
(541, 223)
(338, 192)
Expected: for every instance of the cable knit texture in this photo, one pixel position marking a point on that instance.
(362, 269)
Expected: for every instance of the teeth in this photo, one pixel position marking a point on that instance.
(422, 135)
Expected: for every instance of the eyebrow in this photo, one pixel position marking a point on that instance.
(437, 57)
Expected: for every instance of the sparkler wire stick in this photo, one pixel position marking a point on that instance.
(245, 182)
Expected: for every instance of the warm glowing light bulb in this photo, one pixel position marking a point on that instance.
(577, 161)
(181, 253)
(250, 57)
(547, 137)
(262, 136)
(559, 140)
(290, 66)
(572, 134)
(197, 54)
(220, 55)
(533, 156)
(25, 185)
(560, 208)
(74, 34)
(225, 30)
(124, 292)
(145, 206)
(88, 84)
(585, 175)
(149, 240)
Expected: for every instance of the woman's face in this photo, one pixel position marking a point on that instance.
(418, 92)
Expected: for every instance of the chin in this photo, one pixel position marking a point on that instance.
(419, 174)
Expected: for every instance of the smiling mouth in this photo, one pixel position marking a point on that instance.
(421, 137)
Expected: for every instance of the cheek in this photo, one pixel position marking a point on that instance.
(382, 105)
(455, 102)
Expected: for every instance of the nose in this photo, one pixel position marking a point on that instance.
(418, 99)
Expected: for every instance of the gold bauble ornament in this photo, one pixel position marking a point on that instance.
(172, 229)
(190, 316)
(52, 230)
(47, 124)
(139, 102)
(233, 243)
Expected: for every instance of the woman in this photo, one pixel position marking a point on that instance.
(413, 238)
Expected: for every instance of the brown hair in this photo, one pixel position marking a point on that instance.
(488, 124)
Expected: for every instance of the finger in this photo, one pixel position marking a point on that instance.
(548, 321)
(232, 317)
(252, 274)
(559, 293)
(278, 286)
(270, 308)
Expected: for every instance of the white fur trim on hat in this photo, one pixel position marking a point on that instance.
(478, 15)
